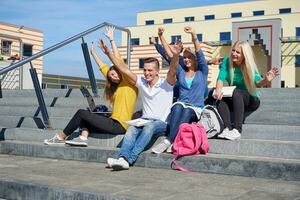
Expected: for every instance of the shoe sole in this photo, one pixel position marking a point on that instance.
(117, 167)
(54, 144)
(79, 144)
(231, 138)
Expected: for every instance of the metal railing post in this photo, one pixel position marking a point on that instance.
(0, 88)
(89, 67)
(40, 97)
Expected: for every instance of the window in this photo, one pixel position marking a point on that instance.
(189, 19)
(149, 22)
(156, 40)
(168, 21)
(6, 47)
(258, 12)
(141, 63)
(199, 36)
(135, 41)
(285, 10)
(209, 17)
(44, 85)
(224, 36)
(175, 38)
(297, 60)
(27, 50)
(238, 14)
(297, 31)
(63, 87)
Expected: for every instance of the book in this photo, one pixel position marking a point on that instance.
(138, 122)
(227, 91)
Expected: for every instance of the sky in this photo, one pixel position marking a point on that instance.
(62, 19)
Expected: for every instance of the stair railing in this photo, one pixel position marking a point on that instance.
(44, 52)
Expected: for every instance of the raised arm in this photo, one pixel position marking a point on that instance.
(190, 30)
(95, 56)
(171, 75)
(110, 35)
(268, 77)
(119, 63)
(164, 42)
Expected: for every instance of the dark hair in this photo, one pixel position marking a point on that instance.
(151, 60)
(110, 86)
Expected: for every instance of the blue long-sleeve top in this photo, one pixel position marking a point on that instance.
(164, 54)
(196, 93)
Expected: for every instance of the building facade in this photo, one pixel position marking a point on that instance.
(17, 42)
(214, 25)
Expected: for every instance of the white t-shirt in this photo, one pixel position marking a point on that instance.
(156, 101)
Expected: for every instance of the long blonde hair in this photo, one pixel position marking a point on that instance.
(248, 66)
(110, 87)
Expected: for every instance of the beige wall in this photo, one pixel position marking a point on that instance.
(28, 36)
(210, 30)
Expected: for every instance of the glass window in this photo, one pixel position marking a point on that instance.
(297, 31)
(297, 60)
(209, 17)
(189, 19)
(238, 14)
(168, 21)
(156, 40)
(141, 63)
(135, 41)
(258, 12)
(27, 50)
(175, 38)
(149, 22)
(199, 36)
(224, 36)
(6, 47)
(285, 10)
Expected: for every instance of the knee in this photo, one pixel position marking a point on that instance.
(188, 113)
(131, 131)
(81, 112)
(177, 108)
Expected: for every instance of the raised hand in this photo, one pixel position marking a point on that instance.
(152, 40)
(215, 61)
(188, 29)
(161, 31)
(271, 74)
(110, 32)
(103, 47)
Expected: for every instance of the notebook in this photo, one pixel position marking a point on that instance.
(227, 91)
(138, 122)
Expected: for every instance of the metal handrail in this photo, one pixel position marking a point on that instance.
(67, 41)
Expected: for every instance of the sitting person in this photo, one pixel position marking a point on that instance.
(156, 94)
(192, 84)
(239, 70)
(118, 92)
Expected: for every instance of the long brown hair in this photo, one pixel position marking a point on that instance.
(110, 86)
(248, 68)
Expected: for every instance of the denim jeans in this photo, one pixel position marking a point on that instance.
(179, 115)
(137, 138)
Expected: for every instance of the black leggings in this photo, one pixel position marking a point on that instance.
(240, 102)
(92, 122)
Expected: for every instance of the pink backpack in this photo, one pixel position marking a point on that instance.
(191, 139)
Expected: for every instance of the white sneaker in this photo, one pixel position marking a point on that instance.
(233, 135)
(170, 149)
(120, 164)
(110, 162)
(54, 141)
(224, 132)
(161, 147)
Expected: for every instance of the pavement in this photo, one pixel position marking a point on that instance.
(42, 178)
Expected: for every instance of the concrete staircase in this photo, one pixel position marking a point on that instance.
(269, 148)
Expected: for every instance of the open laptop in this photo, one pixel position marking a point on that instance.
(90, 100)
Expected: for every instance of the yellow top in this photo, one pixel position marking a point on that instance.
(124, 99)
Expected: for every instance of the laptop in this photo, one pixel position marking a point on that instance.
(90, 100)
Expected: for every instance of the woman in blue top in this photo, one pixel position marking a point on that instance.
(239, 70)
(192, 84)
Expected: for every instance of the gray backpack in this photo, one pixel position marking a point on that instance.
(211, 121)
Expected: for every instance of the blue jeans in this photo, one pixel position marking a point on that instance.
(179, 115)
(137, 138)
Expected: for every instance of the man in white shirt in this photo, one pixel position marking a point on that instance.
(157, 96)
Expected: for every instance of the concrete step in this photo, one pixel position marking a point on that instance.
(264, 167)
(286, 93)
(46, 93)
(273, 118)
(29, 178)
